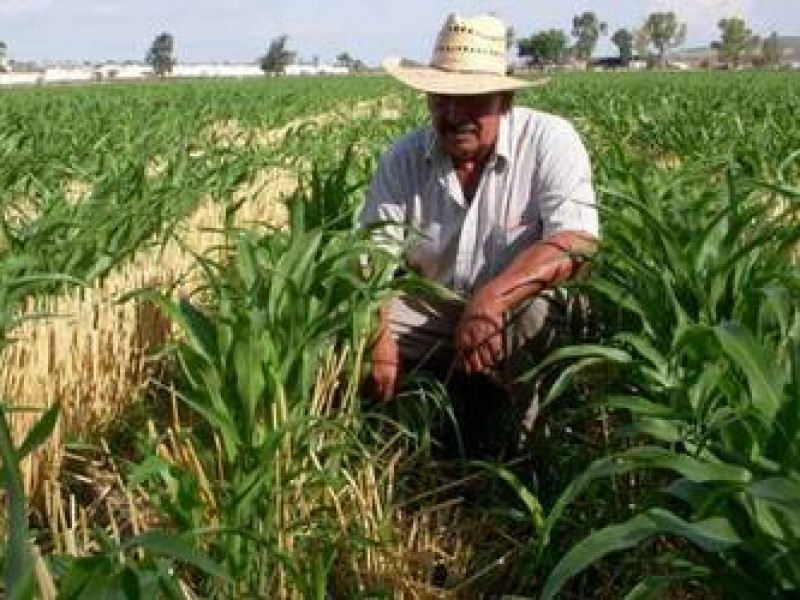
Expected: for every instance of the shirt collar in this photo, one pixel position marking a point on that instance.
(502, 148)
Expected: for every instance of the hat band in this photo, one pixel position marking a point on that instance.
(465, 71)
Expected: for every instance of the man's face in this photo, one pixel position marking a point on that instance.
(467, 125)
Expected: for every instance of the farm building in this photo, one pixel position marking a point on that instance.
(708, 57)
(615, 63)
(68, 75)
(9, 79)
(77, 73)
(304, 69)
(216, 70)
(123, 71)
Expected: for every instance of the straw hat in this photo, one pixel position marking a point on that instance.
(469, 58)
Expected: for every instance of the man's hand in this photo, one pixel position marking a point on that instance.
(479, 337)
(385, 365)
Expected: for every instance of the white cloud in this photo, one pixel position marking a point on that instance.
(14, 8)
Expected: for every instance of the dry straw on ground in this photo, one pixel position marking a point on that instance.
(90, 352)
(93, 354)
(230, 133)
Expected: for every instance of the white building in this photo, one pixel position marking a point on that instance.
(122, 72)
(68, 75)
(85, 73)
(20, 79)
(216, 70)
(315, 70)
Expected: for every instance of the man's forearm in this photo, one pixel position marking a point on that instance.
(543, 265)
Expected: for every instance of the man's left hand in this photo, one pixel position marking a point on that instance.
(479, 335)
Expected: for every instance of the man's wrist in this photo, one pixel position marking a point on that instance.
(490, 298)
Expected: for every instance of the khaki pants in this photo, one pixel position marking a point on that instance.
(499, 423)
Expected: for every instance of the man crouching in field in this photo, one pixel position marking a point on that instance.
(492, 201)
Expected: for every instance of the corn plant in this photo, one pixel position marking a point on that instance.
(707, 346)
(272, 447)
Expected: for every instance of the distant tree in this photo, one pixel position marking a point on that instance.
(544, 48)
(771, 50)
(511, 36)
(641, 42)
(737, 40)
(623, 40)
(587, 29)
(277, 57)
(352, 64)
(344, 60)
(664, 32)
(160, 54)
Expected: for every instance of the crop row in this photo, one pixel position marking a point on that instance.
(242, 461)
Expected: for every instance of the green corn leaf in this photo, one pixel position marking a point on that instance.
(780, 492)
(638, 406)
(765, 381)
(175, 547)
(646, 349)
(712, 535)
(643, 458)
(18, 573)
(200, 328)
(662, 430)
(247, 357)
(778, 304)
(583, 351)
(652, 588)
(79, 574)
(40, 432)
(566, 379)
(532, 504)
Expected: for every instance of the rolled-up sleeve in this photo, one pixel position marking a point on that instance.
(563, 185)
(385, 204)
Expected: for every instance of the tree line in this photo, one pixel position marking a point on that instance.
(3, 54)
(277, 57)
(660, 32)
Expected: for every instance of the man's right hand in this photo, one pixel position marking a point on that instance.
(385, 365)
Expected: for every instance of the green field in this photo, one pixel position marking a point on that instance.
(183, 332)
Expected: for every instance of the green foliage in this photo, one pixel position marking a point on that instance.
(18, 567)
(707, 349)
(587, 28)
(737, 40)
(641, 42)
(277, 57)
(344, 59)
(276, 310)
(544, 48)
(160, 54)
(664, 31)
(141, 567)
(694, 369)
(623, 40)
(771, 50)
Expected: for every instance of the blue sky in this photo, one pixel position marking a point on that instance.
(240, 30)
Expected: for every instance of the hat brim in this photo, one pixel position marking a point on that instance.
(453, 83)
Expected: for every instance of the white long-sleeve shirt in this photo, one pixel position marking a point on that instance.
(537, 182)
